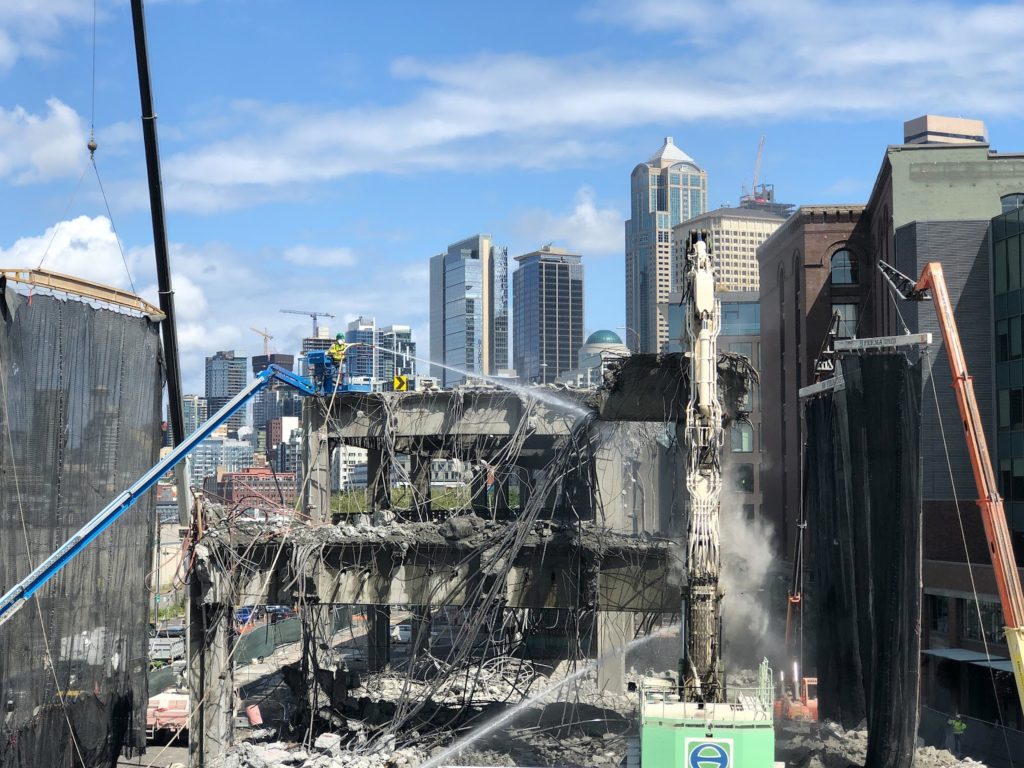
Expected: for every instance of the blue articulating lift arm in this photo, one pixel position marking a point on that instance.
(18, 595)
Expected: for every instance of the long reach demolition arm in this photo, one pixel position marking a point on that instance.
(993, 516)
(19, 594)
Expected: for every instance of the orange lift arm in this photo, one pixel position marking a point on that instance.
(993, 516)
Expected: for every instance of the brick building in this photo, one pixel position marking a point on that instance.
(815, 264)
(254, 487)
(930, 202)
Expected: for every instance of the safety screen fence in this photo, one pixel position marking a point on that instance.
(863, 503)
(80, 401)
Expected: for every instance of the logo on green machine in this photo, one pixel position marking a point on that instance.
(708, 753)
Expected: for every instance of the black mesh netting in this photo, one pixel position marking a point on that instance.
(864, 513)
(80, 396)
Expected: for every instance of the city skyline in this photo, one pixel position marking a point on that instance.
(285, 160)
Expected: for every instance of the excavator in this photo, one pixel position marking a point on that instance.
(932, 285)
(700, 722)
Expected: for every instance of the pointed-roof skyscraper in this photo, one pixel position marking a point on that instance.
(666, 190)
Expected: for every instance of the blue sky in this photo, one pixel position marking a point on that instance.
(316, 154)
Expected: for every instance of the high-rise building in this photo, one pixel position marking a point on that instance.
(219, 453)
(194, 412)
(736, 234)
(666, 190)
(397, 352)
(273, 401)
(319, 343)
(363, 361)
(469, 309)
(225, 377)
(547, 290)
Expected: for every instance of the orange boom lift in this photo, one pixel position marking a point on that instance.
(993, 516)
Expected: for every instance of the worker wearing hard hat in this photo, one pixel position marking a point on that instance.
(337, 352)
(338, 349)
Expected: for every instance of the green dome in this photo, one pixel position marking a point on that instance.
(604, 337)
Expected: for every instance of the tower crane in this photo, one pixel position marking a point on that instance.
(752, 196)
(757, 166)
(266, 339)
(313, 315)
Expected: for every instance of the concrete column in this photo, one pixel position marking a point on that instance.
(525, 487)
(378, 637)
(501, 494)
(614, 632)
(316, 462)
(317, 657)
(211, 675)
(478, 489)
(378, 476)
(419, 466)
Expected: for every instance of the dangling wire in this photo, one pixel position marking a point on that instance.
(92, 146)
(113, 229)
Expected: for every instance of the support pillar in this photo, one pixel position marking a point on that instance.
(419, 465)
(317, 655)
(316, 463)
(525, 487)
(211, 672)
(478, 489)
(614, 633)
(378, 476)
(502, 500)
(378, 637)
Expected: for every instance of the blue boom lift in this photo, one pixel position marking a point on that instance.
(19, 594)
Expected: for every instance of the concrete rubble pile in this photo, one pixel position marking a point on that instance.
(831, 746)
(325, 752)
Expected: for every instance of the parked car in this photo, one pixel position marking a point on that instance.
(279, 613)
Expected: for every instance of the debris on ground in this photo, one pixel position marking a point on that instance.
(829, 745)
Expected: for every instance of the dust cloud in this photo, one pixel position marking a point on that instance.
(747, 566)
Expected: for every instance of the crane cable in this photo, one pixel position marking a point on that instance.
(92, 146)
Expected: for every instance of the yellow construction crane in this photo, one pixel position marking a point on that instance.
(266, 339)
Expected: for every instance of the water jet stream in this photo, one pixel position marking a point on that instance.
(506, 717)
(544, 395)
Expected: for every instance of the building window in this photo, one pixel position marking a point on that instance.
(1012, 202)
(938, 611)
(745, 478)
(844, 268)
(742, 438)
(847, 320)
(748, 511)
(745, 348)
(988, 626)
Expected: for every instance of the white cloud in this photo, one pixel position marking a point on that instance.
(586, 229)
(39, 147)
(84, 247)
(308, 256)
(31, 27)
(221, 292)
(734, 61)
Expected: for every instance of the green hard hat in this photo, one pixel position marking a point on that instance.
(340, 336)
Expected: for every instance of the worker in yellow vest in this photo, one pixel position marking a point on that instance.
(957, 727)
